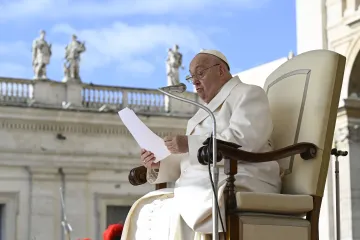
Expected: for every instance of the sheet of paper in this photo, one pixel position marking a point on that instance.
(146, 138)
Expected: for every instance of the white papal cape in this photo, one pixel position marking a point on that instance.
(184, 212)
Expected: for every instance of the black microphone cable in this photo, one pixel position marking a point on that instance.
(212, 182)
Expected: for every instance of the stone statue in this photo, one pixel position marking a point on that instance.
(41, 53)
(173, 63)
(72, 59)
(290, 55)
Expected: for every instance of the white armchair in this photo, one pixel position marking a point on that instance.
(304, 95)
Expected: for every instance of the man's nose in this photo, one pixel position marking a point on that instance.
(196, 82)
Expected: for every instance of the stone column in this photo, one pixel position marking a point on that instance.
(326, 221)
(347, 138)
(47, 92)
(74, 93)
(310, 21)
(76, 200)
(350, 194)
(167, 102)
(45, 204)
(180, 107)
(351, 7)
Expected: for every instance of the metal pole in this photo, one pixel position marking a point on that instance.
(337, 194)
(215, 176)
(215, 169)
(337, 153)
(67, 227)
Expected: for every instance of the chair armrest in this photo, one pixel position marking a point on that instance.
(232, 154)
(137, 176)
(306, 150)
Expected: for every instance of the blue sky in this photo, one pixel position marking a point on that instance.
(127, 40)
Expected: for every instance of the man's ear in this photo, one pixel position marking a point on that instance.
(221, 70)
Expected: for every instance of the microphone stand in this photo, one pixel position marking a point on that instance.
(64, 222)
(337, 153)
(215, 169)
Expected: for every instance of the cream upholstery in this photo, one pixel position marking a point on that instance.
(275, 203)
(273, 228)
(303, 94)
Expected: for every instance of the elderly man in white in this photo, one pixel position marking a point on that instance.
(243, 117)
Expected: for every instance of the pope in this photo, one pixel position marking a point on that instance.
(243, 117)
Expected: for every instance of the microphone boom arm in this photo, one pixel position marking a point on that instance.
(215, 173)
(66, 226)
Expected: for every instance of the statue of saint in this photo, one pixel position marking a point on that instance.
(41, 53)
(72, 59)
(173, 63)
(290, 55)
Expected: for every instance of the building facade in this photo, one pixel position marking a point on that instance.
(68, 135)
(333, 25)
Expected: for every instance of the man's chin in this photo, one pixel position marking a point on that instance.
(203, 99)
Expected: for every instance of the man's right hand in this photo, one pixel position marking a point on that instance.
(148, 159)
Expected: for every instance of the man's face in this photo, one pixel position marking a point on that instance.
(206, 75)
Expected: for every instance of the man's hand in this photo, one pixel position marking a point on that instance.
(148, 159)
(177, 144)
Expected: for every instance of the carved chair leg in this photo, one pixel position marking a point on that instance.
(232, 220)
(232, 227)
(313, 218)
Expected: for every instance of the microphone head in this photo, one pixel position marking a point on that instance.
(180, 88)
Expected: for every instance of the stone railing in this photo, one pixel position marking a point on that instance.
(90, 97)
(15, 90)
(139, 99)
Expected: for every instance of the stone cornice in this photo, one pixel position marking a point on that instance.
(29, 119)
(348, 133)
(79, 128)
(348, 122)
(98, 126)
(54, 160)
(351, 109)
(64, 115)
(43, 106)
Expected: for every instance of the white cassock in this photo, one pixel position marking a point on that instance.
(184, 212)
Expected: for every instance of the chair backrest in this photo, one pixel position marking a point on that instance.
(304, 95)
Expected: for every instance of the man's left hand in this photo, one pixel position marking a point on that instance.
(177, 144)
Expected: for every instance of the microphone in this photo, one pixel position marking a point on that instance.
(179, 88)
(214, 158)
(67, 227)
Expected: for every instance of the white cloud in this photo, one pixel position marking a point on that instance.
(15, 70)
(15, 49)
(130, 45)
(132, 48)
(137, 66)
(65, 9)
(122, 40)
